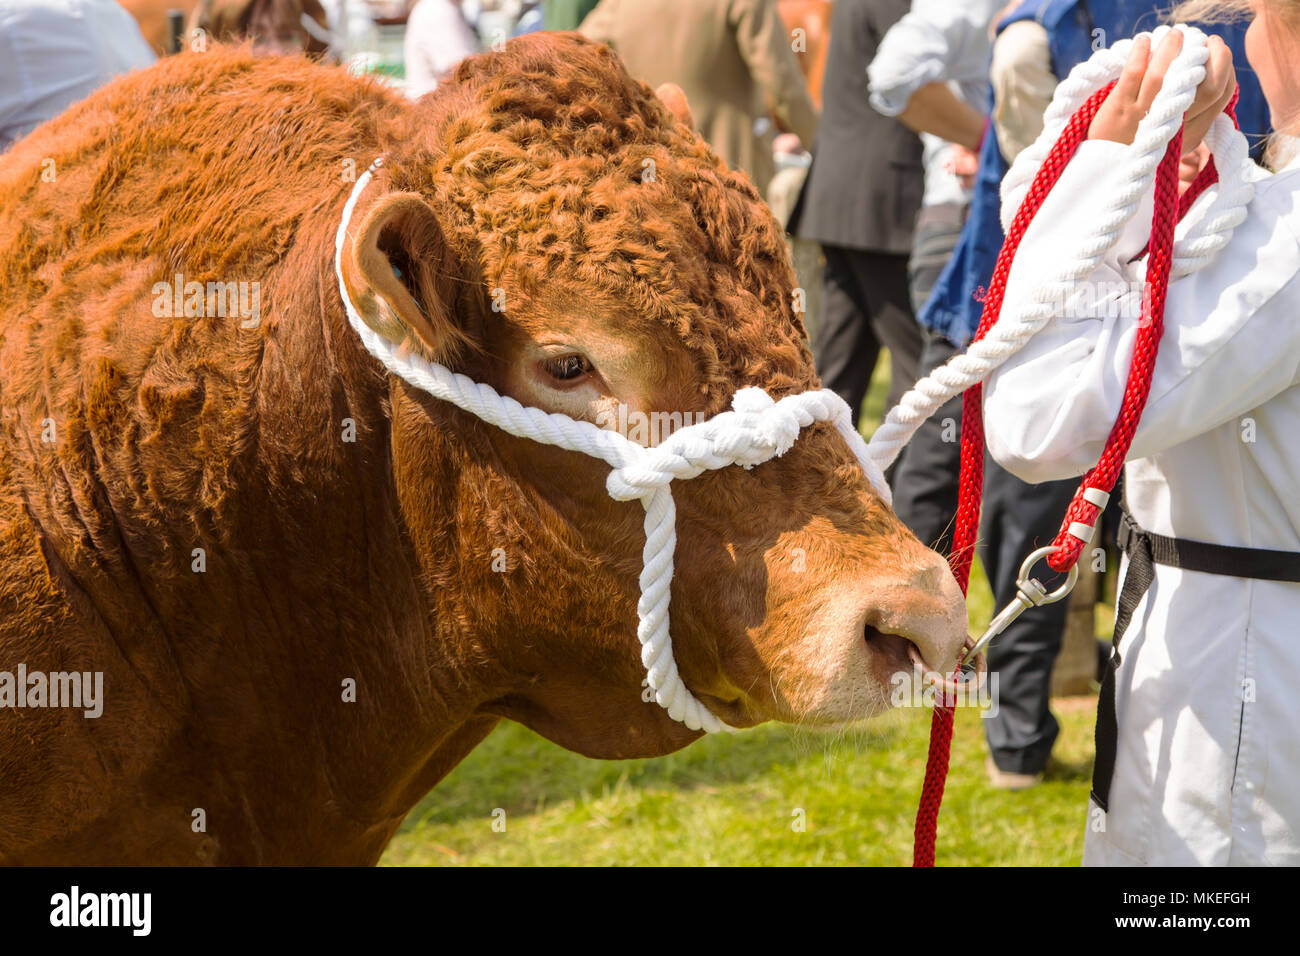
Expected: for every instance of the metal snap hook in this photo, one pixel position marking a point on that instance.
(1030, 593)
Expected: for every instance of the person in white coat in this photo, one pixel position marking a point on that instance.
(1207, 760)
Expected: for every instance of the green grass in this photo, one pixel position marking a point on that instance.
(734, 799)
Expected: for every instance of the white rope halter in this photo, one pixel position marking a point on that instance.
(754, 431)
(1206, 229)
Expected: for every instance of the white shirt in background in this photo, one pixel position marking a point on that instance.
(936, 41)
(56, 52)
(1023, 85)
(437, 38)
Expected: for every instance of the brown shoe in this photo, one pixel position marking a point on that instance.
(1005, 780)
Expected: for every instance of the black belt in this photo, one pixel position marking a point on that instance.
(1145, 550)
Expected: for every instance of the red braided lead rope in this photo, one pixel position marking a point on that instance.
(1168, 210)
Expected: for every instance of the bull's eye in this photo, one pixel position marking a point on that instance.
(567, 368)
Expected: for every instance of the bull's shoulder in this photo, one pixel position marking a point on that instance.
(202, 157)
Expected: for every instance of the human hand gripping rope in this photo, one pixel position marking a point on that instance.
(1220, 195)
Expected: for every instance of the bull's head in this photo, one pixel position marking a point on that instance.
(551, 229)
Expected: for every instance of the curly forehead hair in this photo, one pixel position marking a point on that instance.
(558, 175)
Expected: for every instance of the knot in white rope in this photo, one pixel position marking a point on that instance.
(756, 430)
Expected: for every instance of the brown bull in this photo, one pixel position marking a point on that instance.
(310, 589)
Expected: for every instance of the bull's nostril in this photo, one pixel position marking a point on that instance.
(923, 608)
(900, 650)
(917, 658)
(897, 649)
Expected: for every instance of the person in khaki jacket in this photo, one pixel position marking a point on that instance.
(732, 58)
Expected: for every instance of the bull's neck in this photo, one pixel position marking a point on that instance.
(376, 694)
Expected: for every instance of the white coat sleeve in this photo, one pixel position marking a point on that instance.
(919, 49)
(1231, 339)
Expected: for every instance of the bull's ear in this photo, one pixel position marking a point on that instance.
(400, 273)
(675, 100)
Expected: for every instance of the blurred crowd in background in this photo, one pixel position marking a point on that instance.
(879, 131)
